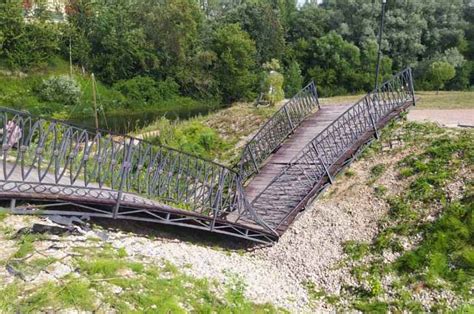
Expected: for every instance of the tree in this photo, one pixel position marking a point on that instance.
(311, 21)
(262, 21)
(293, 79)
(25, 44)
(118, 46)
(333, 64)
(236, 61)
(441, 72)
(172, 27)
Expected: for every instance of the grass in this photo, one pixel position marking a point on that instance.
(25, 245)
(427, 100)
(105, 279)
(218, 136)
(445, 100)
(444, 257)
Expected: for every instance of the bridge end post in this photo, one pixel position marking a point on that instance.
(371, 117)
(12, 205)
(412, 86)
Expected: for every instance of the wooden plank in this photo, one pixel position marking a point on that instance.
(306, 131)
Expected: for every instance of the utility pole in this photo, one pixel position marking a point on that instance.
(94, 100)
(379, 54)
(70, 57)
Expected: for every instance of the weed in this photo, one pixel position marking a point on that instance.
(105, 267)
(121, 252)
(356, 250)
(76, 293)
(371, 306)
(26, 245)
(349, 173)
(3, 214)
(376, 172)
(316, 294)
(380, 191)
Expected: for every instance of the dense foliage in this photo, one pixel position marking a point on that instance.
(217, 49)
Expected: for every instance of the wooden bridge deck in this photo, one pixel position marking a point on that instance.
(308, 129)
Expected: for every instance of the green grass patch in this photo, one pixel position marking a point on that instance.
(443, 254)
(25, 245)
(356, 250)
(316, 294)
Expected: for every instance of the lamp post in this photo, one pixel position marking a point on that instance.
(379, 55)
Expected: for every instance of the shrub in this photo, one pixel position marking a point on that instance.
(146, 90)
(61, 89)
(273, 82)
(293, 79)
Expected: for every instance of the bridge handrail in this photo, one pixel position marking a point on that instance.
(52, 156)
(277, 128)
(319, 155)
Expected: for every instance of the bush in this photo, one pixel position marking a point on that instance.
(60, 89)
(293, 79)
(147, 91)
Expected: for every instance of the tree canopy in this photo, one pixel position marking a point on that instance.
(217, 48)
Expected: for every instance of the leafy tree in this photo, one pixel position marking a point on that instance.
(119, 48)
(310, 21)
(172, 27)
(334, 64)
(25, 44)
(236, 61)
(441, 72)
(293, 79)
(264, 25)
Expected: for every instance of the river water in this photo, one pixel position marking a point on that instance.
(125, 122)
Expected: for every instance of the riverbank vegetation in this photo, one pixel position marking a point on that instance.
(192, 55)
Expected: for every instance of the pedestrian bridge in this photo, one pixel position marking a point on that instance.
(51, 167)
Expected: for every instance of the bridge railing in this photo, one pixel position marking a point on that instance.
(47, 158)
(316, 159)
(272, 134)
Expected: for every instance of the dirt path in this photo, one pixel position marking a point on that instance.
(449, 118)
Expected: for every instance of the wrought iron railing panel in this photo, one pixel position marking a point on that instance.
(272, 134)
(44, 158)
(313, 163)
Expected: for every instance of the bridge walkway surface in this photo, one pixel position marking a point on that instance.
(51, 167)
(312, 125)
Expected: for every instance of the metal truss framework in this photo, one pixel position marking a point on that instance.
(68, 170)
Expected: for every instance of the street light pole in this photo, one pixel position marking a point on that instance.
(379, 55)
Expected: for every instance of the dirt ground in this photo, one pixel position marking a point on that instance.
(449, 118)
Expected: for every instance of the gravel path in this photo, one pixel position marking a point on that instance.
(449, 118)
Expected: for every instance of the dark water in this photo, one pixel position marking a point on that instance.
(125, 122)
